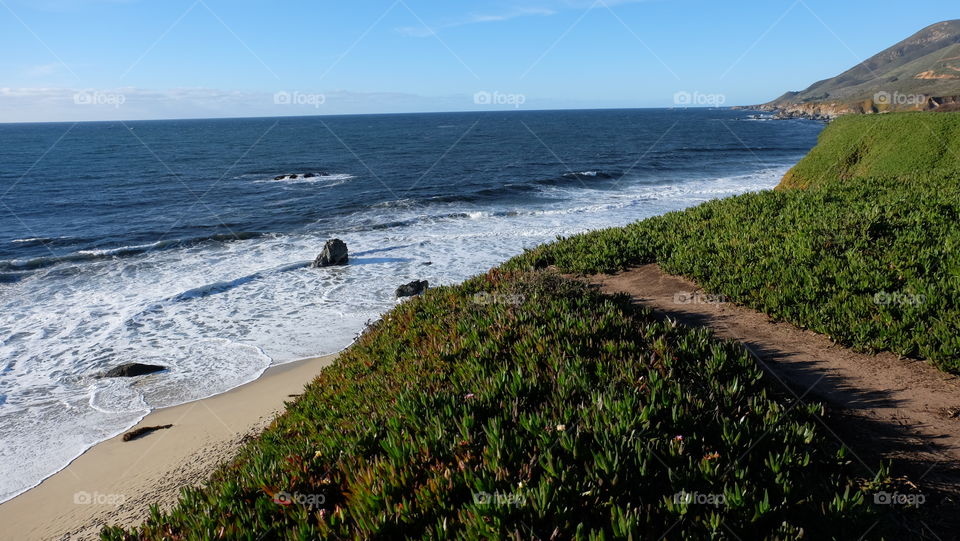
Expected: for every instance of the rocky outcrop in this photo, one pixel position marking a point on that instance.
(143, 431)
(295, 176)
(131, 370)
(882, 103)
(945, 104)
(334, 253)
(812, 111)
(931, 75)
(414, 288)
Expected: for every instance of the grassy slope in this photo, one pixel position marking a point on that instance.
(909, 147)
(562, 398)
(570, 402)
(869, 254)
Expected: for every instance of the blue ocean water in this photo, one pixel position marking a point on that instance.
(171, 242)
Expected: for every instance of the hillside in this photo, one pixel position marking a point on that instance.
(921, 72)
(906, 147)
(867, 255)
(550, 410)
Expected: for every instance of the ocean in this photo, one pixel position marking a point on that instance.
(171, 242)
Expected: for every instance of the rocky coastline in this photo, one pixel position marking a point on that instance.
(827, 111)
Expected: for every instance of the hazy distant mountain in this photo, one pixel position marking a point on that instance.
(920, 72)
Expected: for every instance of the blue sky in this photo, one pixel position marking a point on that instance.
(129, 59)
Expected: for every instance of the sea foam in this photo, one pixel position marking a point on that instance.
(217, 314)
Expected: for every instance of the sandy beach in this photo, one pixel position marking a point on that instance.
(115, 482)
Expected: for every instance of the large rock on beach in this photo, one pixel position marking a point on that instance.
(334, 253)
(131, 370)
(414, 288)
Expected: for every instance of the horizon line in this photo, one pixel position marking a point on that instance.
(328, 115)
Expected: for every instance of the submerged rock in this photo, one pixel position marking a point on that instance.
(334, 253)
(414, 288)
(281, 177)
(309, 175)
(131, 370)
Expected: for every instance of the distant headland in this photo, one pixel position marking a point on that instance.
(921, 73)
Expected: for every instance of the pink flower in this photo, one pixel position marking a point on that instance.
(678, 438)
(469, 396)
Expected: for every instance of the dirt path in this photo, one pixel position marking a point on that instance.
(880, 406)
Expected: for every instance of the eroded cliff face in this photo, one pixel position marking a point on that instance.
(831, 110)
(932, 75)
(949, 103)
(815, 111)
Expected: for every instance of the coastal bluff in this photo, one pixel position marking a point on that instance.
(920, 73)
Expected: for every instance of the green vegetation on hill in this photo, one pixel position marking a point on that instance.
(915, 147)
(525, 405)
(522, 404)
(872, 261)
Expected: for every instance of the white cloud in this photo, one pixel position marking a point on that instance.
(71, 5)
(45, 70)
(520, 12)
(129, 103)
(584, 4)
(476, 18)
(544, 9)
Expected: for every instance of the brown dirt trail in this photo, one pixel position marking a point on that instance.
(879, 406)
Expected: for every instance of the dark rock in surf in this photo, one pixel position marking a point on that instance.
(309, 175)
(334, 253)
(281, 177)
(414, 288)
(292, 177)
(140, 432)
(131, 370)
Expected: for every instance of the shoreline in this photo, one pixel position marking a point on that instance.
(77, 501)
